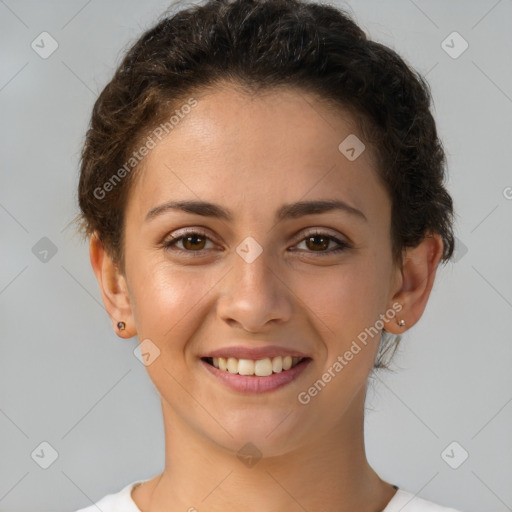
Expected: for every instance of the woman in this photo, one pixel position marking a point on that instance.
(262, 186)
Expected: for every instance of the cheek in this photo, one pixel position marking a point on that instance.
(346, 305)
(346, 299)
(170, 305)
(166, 301)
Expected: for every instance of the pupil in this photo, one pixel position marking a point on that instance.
(324, 239)
(193, 237)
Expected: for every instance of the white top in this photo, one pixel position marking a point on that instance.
(402, 501)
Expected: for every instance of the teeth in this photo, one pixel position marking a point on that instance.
(232, 365)
(277, 364)
(245, 367)
(263, 367)
(259, 368)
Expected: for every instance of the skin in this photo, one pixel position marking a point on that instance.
(251, 155)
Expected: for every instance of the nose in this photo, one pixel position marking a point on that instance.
(255, 295)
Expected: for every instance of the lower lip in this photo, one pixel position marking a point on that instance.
(254, 384)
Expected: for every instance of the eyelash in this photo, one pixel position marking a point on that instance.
(342, 245)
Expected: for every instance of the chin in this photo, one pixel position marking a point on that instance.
(266, 433)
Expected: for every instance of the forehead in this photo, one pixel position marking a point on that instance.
(278, 147)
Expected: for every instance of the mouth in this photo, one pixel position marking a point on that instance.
(255, 367)
(256, 375)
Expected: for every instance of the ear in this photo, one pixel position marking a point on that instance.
(113, 287)
(415, 281)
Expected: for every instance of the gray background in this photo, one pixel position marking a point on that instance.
(65, 377)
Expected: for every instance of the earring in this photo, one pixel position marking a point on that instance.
(401, 322)
(121, 326)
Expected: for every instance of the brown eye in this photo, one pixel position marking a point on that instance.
(192, 242)
(318, 242)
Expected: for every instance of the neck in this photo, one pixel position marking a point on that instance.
(329, 473)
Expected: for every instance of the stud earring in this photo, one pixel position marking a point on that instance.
(121, 326)
(401, 322)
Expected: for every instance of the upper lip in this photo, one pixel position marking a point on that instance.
(255, 353)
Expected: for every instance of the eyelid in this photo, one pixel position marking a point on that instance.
(317, 232)
(196, 230)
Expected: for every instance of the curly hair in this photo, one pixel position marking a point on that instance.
(260, 45)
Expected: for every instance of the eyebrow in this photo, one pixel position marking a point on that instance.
(287, 211)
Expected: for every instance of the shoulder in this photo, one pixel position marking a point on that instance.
(405, 501)
(116, 502)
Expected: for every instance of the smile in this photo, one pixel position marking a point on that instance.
(255, 375)
(259, 368)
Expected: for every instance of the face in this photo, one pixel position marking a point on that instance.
(254, 284)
